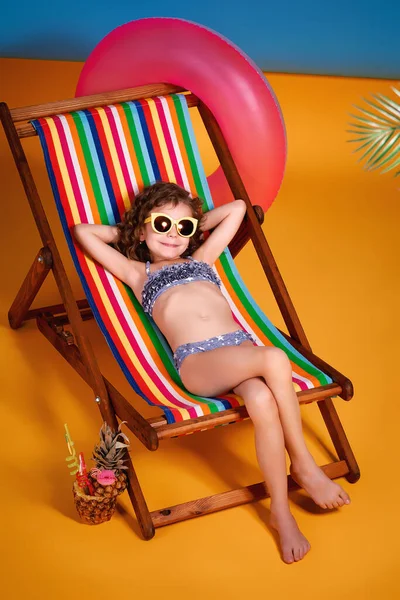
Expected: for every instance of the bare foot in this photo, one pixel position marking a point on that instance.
(293, 543)
(325, 492)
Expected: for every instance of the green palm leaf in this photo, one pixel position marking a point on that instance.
(365, 123)
(381, 158)
(378, 132)
(395, 164)
(392, 106)
(389, 114)
(375, 117)
(372, 144)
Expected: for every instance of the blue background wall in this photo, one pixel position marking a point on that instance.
(353, 37)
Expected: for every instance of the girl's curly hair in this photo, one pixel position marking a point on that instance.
(152, 196)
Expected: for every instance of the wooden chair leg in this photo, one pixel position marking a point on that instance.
(71, 353)
(339, 438)
(30, 287)
(139, 504)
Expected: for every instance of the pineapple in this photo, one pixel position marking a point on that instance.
(107, 477)
(93, 510)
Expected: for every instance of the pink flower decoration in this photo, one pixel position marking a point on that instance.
(106, 477)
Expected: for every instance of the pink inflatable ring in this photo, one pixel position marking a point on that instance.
(186, 54)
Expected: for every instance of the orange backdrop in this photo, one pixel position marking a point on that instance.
(333, 230)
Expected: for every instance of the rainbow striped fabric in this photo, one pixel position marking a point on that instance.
(97, 160)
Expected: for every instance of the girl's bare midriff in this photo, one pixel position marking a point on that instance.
(191, 312)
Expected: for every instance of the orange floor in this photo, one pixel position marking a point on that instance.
(334, 233)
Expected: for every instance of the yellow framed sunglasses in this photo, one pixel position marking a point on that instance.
(162, 223)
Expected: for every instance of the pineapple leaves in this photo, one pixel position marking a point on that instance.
(110, 453)
(121, 445)
(377, 132)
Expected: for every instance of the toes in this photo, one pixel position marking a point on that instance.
(344, 497)
(297, 554)
(288, 559)
(301, 552)
(288, 556)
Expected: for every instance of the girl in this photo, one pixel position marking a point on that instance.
(161, 254)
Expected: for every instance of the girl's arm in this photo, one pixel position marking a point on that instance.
(214, 216)
(226, 219)
(94, 239)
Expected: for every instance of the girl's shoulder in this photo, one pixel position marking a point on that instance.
(199, 256)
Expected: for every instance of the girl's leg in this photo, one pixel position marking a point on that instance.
(270, 450)
(304, 470)
(223, 369)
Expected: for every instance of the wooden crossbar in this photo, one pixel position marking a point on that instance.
(231, 498)
(22, 116)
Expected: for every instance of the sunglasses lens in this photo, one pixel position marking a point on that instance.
(186, 227)
(162, 224)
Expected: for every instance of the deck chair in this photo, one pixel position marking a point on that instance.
(100, 151)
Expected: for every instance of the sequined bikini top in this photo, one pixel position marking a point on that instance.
(176, 274)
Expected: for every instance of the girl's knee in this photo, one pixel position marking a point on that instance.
(277, 359)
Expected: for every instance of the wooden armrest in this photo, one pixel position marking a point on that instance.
(342, 380)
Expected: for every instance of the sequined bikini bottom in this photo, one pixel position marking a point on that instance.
(233, 338)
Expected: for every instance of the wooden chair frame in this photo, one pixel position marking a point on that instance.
(75, 347)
